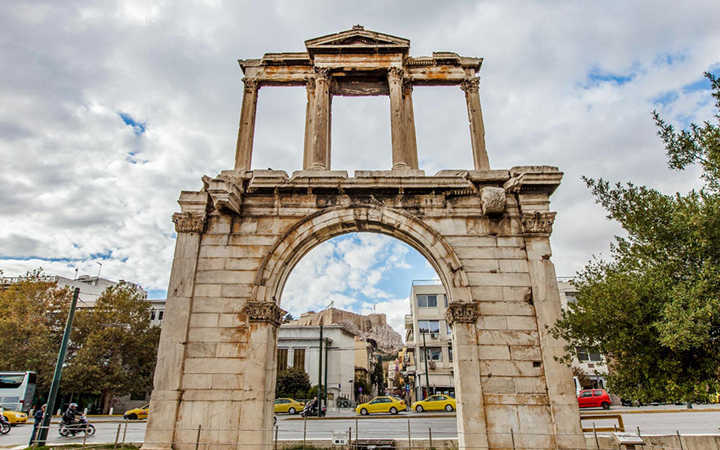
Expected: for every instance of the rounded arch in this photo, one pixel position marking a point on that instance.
(335, 221)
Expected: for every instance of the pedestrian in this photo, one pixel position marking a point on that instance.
(38, 421)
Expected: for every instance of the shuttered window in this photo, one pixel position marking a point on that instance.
(282, 358)
(299, 358)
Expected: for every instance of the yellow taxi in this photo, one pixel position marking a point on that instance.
(137, 413)
(436, 402)
(287, 405)
(381, 404)
(15, 417)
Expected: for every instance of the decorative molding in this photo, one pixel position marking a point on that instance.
(310, 84)
(470, 85)
(538, 222)
(462, 312)
(264, 312)
(187, 222)
(251, 84)
(492, 200)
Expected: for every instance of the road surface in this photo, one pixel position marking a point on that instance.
(385, 426)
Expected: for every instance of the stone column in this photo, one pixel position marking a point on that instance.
(321, 121)
(259, 385)
(167, 391)
(477, 128)
(400, 158)
(309, 122)
(246, 131)
(472, 431)
(409, 127)
(537, 227)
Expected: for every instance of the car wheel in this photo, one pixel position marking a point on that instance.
(448, 408)
(132, 416)
(364, 412)
(605, 405)
(393, 410)
(419, 408)
(291, 411)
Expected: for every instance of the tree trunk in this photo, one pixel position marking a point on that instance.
(106, 401)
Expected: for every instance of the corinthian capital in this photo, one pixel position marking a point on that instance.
(538, 222)
(395, 73)
(407, 86)
(188, 222)
(470, 85)
(251, 84)
(267, 312)
(322, 73)
(462, 312)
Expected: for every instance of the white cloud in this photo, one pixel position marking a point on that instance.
(70, 192)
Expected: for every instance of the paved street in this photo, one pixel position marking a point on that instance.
(383, 426)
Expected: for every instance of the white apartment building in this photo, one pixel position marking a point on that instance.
(427, 333)
(593, 364)
(298, 346)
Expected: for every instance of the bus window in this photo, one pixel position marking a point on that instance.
(17, 390)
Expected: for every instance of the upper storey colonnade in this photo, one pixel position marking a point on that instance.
(359, 62)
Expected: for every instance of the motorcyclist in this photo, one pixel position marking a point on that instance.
(309, 407)
(71, 413)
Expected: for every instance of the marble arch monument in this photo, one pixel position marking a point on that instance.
(485, 231)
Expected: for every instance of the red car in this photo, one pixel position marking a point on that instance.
(594, 398)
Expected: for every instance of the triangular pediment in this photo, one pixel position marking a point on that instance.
(357, 39)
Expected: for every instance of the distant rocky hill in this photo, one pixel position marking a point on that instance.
(372, 326)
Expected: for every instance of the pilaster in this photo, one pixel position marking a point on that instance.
(472, 427)
(410, 143)
(246, 131)
(309, 122)
(477, 128)
(167, 391)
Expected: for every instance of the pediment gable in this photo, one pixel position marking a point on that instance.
(357, 39)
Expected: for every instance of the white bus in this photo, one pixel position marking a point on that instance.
(17, 390)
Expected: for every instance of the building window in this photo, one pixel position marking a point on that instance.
(445, 297)
(571, 298)
(282, 359)
(427, 301)
(299, 358)
(160, 315)
(429, 326)
(433, 353)
(152, 314)
(450, 353)
(448, 328)
(585, 355)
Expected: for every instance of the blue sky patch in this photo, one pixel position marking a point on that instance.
(138, 127)
(665, 98)
(157, 293)
(597, 76)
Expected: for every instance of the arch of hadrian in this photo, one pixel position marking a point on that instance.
(486, 233)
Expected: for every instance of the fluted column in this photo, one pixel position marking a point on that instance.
(321, 122)
(410, 143)
(246, 131)
(309, 122)
(400, 158)
(477, 128)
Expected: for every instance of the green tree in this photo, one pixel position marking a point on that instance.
(114, 346)
(292, 382)
(33, 316)
(654, 308)
(377, 377)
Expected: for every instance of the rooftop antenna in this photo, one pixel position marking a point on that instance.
(99, 270)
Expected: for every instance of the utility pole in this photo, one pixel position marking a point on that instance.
(425, 355)
(55, 386)
(320, 371)
(327, 343)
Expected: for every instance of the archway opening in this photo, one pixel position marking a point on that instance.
(382, 308)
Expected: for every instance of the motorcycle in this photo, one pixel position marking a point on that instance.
(81, 426)
(4, 425)
(311, 409)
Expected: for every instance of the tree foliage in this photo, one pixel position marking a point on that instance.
(292, 382)
(654, 308)
(112, 348)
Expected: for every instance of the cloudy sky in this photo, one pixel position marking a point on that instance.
(109, 109)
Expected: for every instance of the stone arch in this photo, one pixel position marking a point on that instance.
(335, 221)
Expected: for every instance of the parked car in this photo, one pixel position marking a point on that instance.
(594, 398)
(382, 404)
(14, 417)
(137, 413)
(287, 405)
(437, 402)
